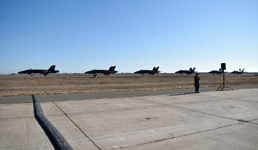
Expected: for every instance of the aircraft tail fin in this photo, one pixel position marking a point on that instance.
(193, 68)
(112, 68)
(155, 69)
(243, 69)
(52, 68)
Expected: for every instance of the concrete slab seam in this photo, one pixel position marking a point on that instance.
(253, 119)
(249, 121)
(236, 100)
(125, 109)
(15, 118)
(27, 133)
(77, 126)
(245, 100)
(241, 120)
(180, 136)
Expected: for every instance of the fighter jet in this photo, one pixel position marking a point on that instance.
(40, 71)
(150, 72)
(111, 70)
(190, 71)
(238, 72)
(218, 72)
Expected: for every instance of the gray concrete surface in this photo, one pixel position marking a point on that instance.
(209, 120)
(83, 96)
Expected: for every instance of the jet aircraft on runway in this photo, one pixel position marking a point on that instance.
(150, 72)
(218, 72)
(238, 72)
(40, 71)
(105, 72)
(190, 71)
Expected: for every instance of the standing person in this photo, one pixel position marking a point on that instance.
(196, 83)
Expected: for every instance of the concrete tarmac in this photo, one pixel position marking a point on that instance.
(83, 96)
(208, 120)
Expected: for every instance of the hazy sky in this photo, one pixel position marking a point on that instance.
(77, 36)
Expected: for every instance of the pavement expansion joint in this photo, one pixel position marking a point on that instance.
(77, 126)
(16, 118)
(250, 121)
(169, 138)
(241, 120)
(253, 119)
(27, 140)
(244, 100)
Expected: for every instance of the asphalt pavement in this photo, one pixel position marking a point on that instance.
(84, 96)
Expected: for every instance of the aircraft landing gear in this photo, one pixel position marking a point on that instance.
(95, 75)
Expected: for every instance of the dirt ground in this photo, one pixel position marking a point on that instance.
(18, 85)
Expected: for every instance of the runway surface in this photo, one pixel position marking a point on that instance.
(83, 96)
(208, 120)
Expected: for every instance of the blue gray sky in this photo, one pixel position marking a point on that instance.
(81, 35)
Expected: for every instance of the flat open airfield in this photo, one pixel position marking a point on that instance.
(149, 112)
(22, 85)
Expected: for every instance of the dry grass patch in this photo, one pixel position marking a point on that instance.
(17, 85)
